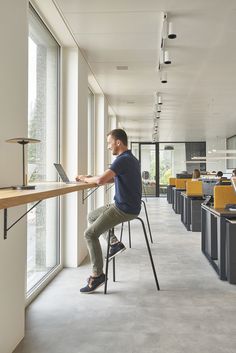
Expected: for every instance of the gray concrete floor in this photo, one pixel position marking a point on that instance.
(194, 311)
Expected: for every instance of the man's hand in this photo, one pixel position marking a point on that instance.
(82, 177)
(106, 177)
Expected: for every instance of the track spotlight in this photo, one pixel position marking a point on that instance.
(157, 99)
(163, 77)
(171, 34)
(157, 115)
(166, 57)
(157, 108)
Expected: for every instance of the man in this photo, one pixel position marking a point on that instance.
(125, 172)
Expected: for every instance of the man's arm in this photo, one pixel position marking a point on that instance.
(106, 177)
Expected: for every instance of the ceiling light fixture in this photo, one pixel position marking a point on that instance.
(166, 57)
(171, 33)
(157, 115)
(157, 98)
(163, 77)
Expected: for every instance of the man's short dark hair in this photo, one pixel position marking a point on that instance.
(119, 134)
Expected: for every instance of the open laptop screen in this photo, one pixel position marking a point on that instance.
(61, 172)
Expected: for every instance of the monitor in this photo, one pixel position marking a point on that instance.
(208, 186)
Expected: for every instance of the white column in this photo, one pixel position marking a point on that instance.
(13, 122)
(101, 130)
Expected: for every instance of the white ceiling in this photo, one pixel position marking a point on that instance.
(198, 99)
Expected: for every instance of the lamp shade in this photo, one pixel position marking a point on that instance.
(23, 141)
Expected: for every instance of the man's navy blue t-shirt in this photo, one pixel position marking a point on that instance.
(128, 187)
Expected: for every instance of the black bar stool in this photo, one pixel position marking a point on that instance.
(149, 228)
(149, 252)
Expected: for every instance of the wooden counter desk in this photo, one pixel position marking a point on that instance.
(44, 190)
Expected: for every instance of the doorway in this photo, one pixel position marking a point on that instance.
(161, 160)
(149, 162)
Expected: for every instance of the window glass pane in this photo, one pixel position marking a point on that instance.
(231, 145)
(135, 149)
(91, 146)
(43, 220)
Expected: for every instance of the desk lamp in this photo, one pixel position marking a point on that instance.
(23, 141)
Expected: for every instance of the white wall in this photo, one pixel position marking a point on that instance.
(82, 161)
(101, 129)
(179, 159)
(69, 153)
(13, 122)
(74, 153)
(219, 164)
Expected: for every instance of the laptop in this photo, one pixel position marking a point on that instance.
(63, 174)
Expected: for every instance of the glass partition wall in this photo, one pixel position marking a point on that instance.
(161, 160)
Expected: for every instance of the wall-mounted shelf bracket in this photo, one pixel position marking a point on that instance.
(6, 229)
(88, 194)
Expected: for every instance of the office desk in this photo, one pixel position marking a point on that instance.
(169, 193)
(214, 226)
(11, 198)
(176, 200)
(191, 211)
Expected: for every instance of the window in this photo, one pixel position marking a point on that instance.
(43, 124)
(91, 127)
(231, 145)
(91, 143)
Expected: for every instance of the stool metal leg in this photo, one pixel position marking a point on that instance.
(114, 269)
(110, 232)
(149, 229)
(150, 254)
(107, 260)
(121, 231)
(129, 234)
